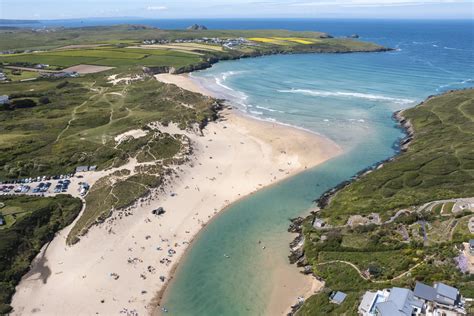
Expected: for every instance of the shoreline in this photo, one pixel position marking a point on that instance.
(222, 171)
(255, 54)
(297, 254)
(312, 285)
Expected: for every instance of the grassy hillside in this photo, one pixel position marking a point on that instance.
(79, 123)
(439, 163)
(37, 221)
(419, 245)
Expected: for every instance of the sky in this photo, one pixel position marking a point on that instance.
(161, 9)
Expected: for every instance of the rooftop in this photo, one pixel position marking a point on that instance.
(338, 297)
(424, 291)
(447, 291)
(400, 302)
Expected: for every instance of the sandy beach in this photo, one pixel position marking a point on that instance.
(116, 268)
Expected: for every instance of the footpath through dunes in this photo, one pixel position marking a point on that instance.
(120, 264)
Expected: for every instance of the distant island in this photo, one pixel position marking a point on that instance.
(197, 27)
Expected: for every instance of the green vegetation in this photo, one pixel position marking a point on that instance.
(109, 193)
(104, 56)
(121, 189)
(428, 171)
(15, 39)
(20, 75)
(34, 222)
(83, 117)
(118, 46)
(418, 246)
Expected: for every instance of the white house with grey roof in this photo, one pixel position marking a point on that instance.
(437, 300)
(370, 299)
(390, 302)
(400, 302)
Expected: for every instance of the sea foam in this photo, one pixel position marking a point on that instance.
(367, 96)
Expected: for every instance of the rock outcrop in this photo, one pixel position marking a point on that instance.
(197, 27)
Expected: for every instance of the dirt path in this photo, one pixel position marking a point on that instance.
(74, 112)
(368, 279)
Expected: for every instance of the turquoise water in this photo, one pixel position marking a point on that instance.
(349, 98)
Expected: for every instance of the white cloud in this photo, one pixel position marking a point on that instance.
(157, 8)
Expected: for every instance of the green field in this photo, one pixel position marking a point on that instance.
(20, 75)
(116, 57)
(22, 240)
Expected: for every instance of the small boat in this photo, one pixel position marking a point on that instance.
(227, 256)
(163, 309)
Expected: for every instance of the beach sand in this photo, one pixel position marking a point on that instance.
(116, 267)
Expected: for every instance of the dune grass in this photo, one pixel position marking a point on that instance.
(79, 125)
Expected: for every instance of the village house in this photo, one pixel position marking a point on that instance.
(441, 299)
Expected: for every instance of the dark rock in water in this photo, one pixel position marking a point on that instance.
(354, 36)
(197, 27)
(296, 256)
(295, 226)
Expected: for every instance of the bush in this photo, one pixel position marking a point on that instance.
(44, 100)
(23, 103)
(62, 84)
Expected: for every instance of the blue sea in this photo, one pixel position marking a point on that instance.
(349, 98)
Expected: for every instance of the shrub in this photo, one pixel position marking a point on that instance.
(23, 103)
(44, 100)
(62, 84)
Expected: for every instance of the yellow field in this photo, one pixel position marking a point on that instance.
(270, 40)
(305, 41)
(284, 40)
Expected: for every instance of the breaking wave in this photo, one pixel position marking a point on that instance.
(372, 97)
